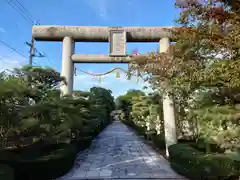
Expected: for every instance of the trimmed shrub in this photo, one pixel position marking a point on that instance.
(137, 127)
(47, 163)
(197, 165)
(150, 134)
(6, 172)
(43, 160)
(159, 141)
(140, 130)
(82, 143)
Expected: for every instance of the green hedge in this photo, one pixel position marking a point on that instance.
(6, 172)
(82, 143)
(197, 165)
(140, 130)
(150, 134)
(47, 163)
(159, 141)
(43, 160)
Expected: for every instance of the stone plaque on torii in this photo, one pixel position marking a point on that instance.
(117, 42)
(117, 37)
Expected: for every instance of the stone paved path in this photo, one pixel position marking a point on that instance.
(118, 153)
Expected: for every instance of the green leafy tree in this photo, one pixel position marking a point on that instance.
(204, 62)
(43, 81)
(31, 107)
(103, 103)
(125, 102)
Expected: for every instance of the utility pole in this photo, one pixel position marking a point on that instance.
(32, 52)
(32, 49)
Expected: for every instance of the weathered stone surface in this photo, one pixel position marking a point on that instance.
(119, 153)
(99, 58)
(117, 43)
(98, 33)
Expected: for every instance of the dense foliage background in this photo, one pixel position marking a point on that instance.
(35, 122)
(201, 72)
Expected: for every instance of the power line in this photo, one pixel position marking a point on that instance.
(19, 7)
(27, 12)
(35, 53)
(26, 15)
(20, 11)
(12, 48)
(15, 50)
(50, 62)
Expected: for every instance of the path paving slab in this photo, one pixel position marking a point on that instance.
(118, 153)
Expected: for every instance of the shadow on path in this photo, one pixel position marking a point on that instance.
(118, 153)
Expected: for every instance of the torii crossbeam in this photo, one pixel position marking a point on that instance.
(118, 37)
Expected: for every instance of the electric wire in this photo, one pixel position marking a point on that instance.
(27, 12)
(20, 11)
(13, 49)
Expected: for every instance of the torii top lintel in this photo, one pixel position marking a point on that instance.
(99, 33)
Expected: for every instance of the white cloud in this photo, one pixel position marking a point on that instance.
(2, 30)
(11, 62)
(10, 59)
(129, 3)
(100, 7)
(108, 9)
(118, 86)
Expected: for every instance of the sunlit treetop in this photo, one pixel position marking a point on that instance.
(208, 37)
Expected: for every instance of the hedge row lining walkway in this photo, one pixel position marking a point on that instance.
(119, 153)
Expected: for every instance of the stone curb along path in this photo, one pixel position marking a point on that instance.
(118, 153)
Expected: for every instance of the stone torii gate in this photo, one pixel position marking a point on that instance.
(118, 37)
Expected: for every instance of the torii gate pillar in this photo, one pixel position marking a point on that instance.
(71, 34)
(67, 66)
(168, 107)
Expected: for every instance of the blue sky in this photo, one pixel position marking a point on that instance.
(15, 30)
